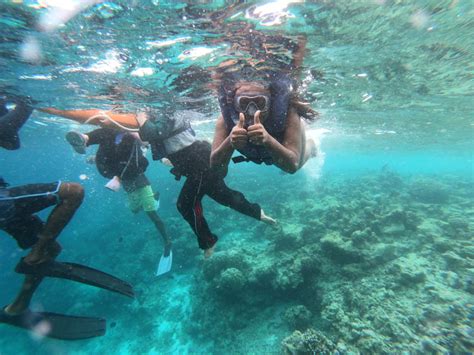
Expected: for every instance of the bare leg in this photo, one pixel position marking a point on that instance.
(70, 198)
(160, 226)
(23, 299)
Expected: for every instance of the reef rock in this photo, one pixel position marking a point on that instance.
(298, 317)
(309, 342)
(429, 191)
(340, 250)
(230, 282)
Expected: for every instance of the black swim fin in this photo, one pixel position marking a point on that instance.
(54, 325)
(79, 273)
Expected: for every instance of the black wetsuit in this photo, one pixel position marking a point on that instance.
(19, 205)
(18, 208)
(193, 162)
(10, 124)
(119, 155)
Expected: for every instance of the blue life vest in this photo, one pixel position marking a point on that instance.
(280, 88)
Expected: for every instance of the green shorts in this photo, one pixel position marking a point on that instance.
(142, 199)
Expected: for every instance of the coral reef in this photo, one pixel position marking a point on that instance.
(309, 342)
(378, 267)
(298, 317)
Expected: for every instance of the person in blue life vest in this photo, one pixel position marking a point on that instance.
(262, 116)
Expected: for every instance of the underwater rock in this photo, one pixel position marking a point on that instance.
(339, 250)
(394, 229)
(286, 241)
(389, 179)
(466, 334)
(370, 343)
(453, 260)
(289, 278)
(429, 345)
(310, 265)
(408, 273)
(313, 230)
(298, 317)
(428, 191)
(222, 261)
(469, 282)
(452, 279)
(263, 275)
(397, 221)
(230, 282)
(360, 237)
(309, 342)
(383, 253)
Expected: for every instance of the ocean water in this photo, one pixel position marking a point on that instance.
(374, 252)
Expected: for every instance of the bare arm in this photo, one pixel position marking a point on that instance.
(288, 154)
(221, 146)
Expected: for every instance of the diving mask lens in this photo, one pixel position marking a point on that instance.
(244, 103)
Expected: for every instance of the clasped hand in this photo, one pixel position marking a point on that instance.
(255, 134)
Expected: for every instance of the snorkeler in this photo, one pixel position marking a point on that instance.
(18, 208)
(174, 139)
(120, 158)
(261, 114)
(18, 217)
(12, 120)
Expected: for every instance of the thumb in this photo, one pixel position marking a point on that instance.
(241, 120)
(256, 117)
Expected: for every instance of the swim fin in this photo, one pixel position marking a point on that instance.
(79, 273)
(54, 325)
(165, 264)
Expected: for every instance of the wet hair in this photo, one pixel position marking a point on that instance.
(303, 108)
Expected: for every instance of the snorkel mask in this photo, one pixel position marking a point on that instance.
(249, 104)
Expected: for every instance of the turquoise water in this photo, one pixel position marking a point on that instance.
(375, 251)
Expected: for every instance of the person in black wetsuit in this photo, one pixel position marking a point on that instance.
(18, 217)
(119, 157)
(11, 121)
(18, 208)
(174, 139)
(19, 205)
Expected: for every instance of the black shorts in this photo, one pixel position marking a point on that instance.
(23, 224)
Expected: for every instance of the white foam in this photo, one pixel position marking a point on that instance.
(314, 166)
(30, 50)
(61, 11)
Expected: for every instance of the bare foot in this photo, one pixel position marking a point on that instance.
(267, 219)
(44, 250)
(11, 311)
(208, 252)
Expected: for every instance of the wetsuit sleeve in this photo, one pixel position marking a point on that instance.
(11, 123)
(16, 119)
(100, 135)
